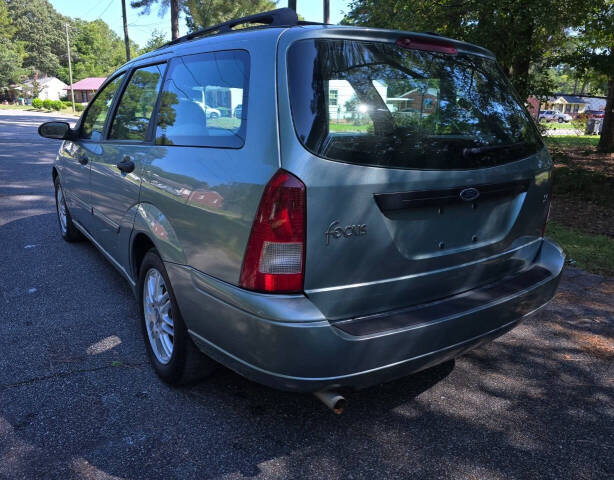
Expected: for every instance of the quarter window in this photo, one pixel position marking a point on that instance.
(204, 100)
(137, 104)
(93, 123)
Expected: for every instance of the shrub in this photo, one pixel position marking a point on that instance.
(79, 107)
(48, 104)
(67, 103)
(37, 103)
(57, 105)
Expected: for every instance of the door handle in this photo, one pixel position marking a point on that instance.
(83, 160)
(126, 165)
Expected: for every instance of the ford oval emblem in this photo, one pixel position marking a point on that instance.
(469, 194)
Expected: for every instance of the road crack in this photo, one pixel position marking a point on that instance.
(42, 378)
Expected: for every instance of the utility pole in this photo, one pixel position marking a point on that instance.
(326, 11)
(126, 39)
(292, 4)
(72, 92)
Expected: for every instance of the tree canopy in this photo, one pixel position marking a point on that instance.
(524, 35)
(96, 50)
(202, 14)
(41, 30)
(529, 37)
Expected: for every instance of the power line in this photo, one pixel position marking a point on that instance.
(105, 10)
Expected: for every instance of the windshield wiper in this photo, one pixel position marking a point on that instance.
(473, 151)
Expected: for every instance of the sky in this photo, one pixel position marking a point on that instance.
(141, 26)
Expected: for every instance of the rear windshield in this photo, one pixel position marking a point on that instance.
(380, 104)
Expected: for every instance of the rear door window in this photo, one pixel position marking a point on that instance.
(204, 100)
(379, 104)
(96, 115)
(137, 104)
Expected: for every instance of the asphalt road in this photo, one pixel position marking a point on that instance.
(79, 400)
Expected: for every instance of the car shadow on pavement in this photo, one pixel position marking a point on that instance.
(79, 400)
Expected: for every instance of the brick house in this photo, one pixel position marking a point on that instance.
(86, 89)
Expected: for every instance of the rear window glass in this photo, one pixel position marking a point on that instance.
(379, 104)
(204, 99)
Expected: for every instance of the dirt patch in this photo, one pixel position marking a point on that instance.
(586, 312)
(583, 158)
(589, 217)
(583, 182)
(597, 345)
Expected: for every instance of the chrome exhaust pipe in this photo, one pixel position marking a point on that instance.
(332, 400)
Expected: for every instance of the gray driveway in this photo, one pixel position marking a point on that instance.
(79, 400)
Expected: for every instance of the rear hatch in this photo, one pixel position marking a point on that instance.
(425, 177)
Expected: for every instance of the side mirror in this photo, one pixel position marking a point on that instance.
(56, 130)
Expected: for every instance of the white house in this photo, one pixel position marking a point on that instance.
(50, 88)
(340, 92)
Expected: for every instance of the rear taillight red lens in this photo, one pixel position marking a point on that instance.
(274, 260)
(440, 46)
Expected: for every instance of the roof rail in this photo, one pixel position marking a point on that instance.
(281, 17)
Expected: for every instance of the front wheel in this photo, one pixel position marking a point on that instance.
(67, 229)
(561, 120)
(174, 356)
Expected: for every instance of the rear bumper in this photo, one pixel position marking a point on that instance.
(286, 343)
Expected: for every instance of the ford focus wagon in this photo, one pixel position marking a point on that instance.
(313, 206)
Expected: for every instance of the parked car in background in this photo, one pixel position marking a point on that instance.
(303, 256)
(595, 114)
(554, 116)
(239, 111)
(211, 112)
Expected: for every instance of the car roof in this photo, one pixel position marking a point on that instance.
(238, 38)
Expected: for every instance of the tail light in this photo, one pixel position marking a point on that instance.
(274, 260)
(440, 46)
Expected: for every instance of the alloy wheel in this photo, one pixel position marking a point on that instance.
(62, 212)
(158, 316)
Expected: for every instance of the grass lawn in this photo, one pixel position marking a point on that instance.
(582, 214)
(347, 127)
(29, 108)
(228, 123)
(594, 253)
(573, 125)
(572, 141)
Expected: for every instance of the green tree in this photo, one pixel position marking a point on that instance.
(175, 6)
(96, 50)
(41, 30)
(595, 53)
(201, 13)
(7, 29)
(10, 64)
(11, 52)
(157, 40)
(524, 35)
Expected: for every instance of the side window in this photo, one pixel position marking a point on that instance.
(204, 100)
(137, 104)
(93, 123)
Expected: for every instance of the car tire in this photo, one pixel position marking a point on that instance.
(178, 362)
(560, 120)
(69, 232)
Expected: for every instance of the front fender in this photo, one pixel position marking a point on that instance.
(150, 221)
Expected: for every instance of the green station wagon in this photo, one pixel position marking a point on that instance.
(313, 206)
